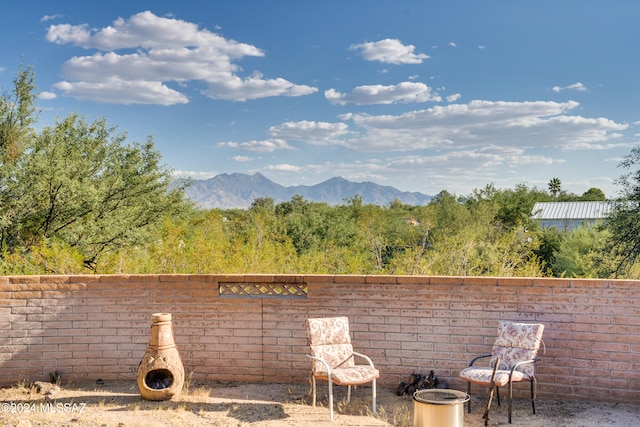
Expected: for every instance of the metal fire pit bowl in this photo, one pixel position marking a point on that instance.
(439, 407)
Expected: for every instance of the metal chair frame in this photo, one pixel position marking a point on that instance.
(330, 381)
(362, 374)
(532, 380)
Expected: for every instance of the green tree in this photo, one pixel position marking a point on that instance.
(512, 207)
(555, 187)
(75, 186)
(593, 195)
(624, 222)
(550, 239)
(89, 189)
(17, 116)
(266, 203)
(579, 253)
(449, 214)
(305, 223)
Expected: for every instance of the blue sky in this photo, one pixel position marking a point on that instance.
(421, 95)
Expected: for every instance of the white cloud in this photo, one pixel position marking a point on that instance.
(46, 18)
(516, 124)
(47, 95)
(488, 157)
(78, 35)
(241, 159)
(433, 172)
(575, 86)
(124, 91)
(148, 31)
(193, 174)
(452, 44)
(166, 50)
(284, 167)
(595, 146)
(456, 147)
(236, 89)
(389, 51)
(404, 92)
(463, 146)
(454, 97)
(263, 146)
(310, 132)
(367, 169)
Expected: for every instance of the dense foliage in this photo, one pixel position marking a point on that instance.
(74, 197)
(487, 233)
(624, 225)
(74, 187)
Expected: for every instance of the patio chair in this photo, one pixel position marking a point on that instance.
(516, 348)
(332, 358)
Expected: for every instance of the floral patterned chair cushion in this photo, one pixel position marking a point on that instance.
(355, 375)
(329, 340)
(516, 342)
(482, 375)
(517, 348)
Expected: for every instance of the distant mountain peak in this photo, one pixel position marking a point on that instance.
(238, 190)
(336, 179)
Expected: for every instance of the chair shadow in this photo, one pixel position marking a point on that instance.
(252, 412)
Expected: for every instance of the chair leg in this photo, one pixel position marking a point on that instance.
(330, 398)
(373, 385)
(313, 390)
(534, 387)
(469, 393)
(498, 394)
(348, 394)
(510, 400)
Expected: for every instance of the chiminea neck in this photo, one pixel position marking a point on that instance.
(161, 332)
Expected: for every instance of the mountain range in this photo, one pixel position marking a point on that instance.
(238, 190)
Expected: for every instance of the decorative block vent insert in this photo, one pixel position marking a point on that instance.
(263, 290)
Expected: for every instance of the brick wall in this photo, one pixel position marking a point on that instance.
(91, 327)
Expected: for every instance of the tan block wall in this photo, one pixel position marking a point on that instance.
(97, 327)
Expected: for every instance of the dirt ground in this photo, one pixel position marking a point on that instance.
(118, 404)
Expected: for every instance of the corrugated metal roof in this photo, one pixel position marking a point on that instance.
(571, 210)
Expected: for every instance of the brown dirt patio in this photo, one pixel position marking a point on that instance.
(268, 405)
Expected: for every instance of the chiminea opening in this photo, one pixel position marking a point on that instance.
(159, 379)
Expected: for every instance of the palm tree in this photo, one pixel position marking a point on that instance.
(555, 186)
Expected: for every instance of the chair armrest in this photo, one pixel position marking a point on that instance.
(478, 358)
(524, 362)
(326, 365)
(365, 357)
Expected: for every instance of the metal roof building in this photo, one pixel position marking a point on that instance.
(570, 215)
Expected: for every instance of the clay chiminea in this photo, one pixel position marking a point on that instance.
(161, 374)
